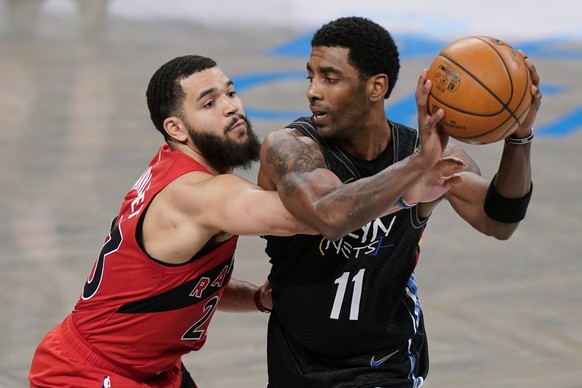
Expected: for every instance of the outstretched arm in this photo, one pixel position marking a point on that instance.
(199, 210)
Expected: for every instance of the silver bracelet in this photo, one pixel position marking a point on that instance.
(519, 141)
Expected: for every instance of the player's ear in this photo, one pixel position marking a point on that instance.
(377, 86)
(176, 129)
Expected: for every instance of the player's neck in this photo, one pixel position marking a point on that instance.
(370, 140)
(194, 153)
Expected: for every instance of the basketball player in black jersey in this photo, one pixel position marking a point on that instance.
(345, 306)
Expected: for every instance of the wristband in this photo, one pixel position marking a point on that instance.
(505, 210)
(520, 141)
(402, 204)
(258, 303)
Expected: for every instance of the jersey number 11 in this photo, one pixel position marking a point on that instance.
(342, 283)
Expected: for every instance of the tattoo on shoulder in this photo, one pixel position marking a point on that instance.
(291, 155)
(294, 156)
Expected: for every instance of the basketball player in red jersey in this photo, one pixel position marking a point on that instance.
(165, 266)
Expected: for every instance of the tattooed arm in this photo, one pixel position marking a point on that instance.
(293, 164)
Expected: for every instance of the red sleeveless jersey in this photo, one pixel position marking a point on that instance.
(138, 313)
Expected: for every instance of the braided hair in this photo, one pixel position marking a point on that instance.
(371, 48)
(164, 93)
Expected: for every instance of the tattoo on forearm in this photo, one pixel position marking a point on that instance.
(360, 195)
(361, 198)
(359, 201)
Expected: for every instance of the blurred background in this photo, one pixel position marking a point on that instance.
(75, 135)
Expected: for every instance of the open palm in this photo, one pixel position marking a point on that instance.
(437, 181)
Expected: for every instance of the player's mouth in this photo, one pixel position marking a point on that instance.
(239, 125)
(318, 117)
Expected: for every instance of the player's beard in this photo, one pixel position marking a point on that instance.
(226, 153)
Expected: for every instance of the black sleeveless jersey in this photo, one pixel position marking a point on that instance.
(356, 294)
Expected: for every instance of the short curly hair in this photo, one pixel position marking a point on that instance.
(372, 49)
(164, 93)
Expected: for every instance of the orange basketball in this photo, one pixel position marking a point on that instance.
(483, 86)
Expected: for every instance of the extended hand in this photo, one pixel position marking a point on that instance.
(437, 181)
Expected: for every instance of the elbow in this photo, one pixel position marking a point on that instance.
(502, 232)
(333, 234)
(502, 237)
(332, 228)
(328, 231)
(330, 223)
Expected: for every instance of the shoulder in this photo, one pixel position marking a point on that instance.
(287, 144)
(402, 128)
(404, 138)
(299, 128)
(197, 193)
(198, 200)
(205, 186)
(291, 149)
(179, 193)
(297, 138)
(405, 134)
